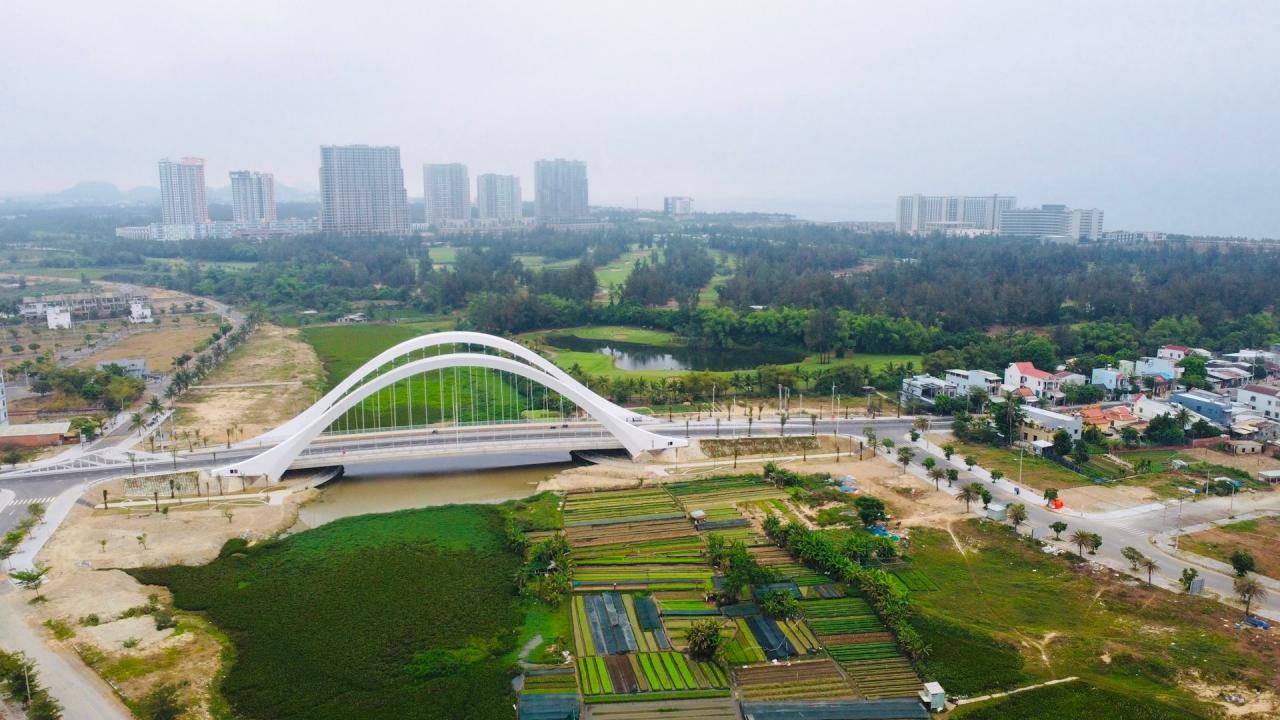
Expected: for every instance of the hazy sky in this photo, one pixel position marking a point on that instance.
(1164, 114)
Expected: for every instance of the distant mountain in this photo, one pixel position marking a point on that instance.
(103, 193)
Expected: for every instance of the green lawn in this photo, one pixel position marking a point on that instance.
(1036, 471)
(1071, 701)
(1004, 596)
(617, 272)
(403, 615)
(623, 333)
(443, 254)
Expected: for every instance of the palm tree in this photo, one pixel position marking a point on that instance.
(1150, 566)
(155, 406)
(937, 474)
(968, 494)
(873, 442)
(1080, 538)
(1248, 589)
(1017, 514)
(136, 422)
(904, 456)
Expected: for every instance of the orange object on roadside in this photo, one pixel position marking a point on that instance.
(1057, 504)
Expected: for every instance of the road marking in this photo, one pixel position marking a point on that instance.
(32, 501)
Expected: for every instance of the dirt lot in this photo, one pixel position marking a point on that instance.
(158, 343)
(1258, 537)
(283, 366)
(1097, 498)
(1250, 463)
(98, 608)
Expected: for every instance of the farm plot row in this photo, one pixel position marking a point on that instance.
(637, 674)
(806, 680)
(631, 534)
(725, 491)
(619, 506)
(912, 580)
(723, 708)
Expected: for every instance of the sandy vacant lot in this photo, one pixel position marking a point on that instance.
(158, 343)
(1250, 463)
(1098, 498)
(274, 357)
(1258, 537)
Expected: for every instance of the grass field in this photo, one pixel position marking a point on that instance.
(623, 333)
(1071, 701)
(1259, 537)
(403, 615)
(1005, 594)
(1036, 471)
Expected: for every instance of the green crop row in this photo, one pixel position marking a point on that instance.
(864, 651)
(594, 676)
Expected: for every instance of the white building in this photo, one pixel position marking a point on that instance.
(925, 389)
(183, 199)
(446, 189)
(677, 206)
(1054, 421)
(1162, 366)
(498, 197)
(966, 381)
(1031, 382)
(927, 213)
(139, 312)
(58, 318)
(560, 190)
(1051, 222)
(1113, 379)
(1130, 236)
(4, 403)
(1175, 353)
(1263, 399)
(362, 190)
(253, 198)
(1086, 224)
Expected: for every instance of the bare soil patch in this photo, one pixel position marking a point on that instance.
(157, 343)
(1098, 498)
(1258, 537)
(1252, 464)
(272, 355)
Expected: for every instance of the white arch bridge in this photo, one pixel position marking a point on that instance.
(511, 398)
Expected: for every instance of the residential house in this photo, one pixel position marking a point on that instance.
(1157, 367)
(966, 381)
(1222, 375)
(1032, 383)
(1108, 420)
(1264, 399)
(1113, 379)
(1066, 377)
(1210, 405)
(924, 389)
(1041, 425)
(1173, 352)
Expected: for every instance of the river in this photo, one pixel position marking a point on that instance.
(384, 487)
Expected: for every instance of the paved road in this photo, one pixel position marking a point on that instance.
(84, 696)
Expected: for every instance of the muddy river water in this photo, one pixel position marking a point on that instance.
(383, 487)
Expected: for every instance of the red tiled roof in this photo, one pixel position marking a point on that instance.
(1031, 370)
(1264, 389)
(1025, 391)
(1179, 348)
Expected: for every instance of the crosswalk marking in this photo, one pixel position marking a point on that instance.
(32, 501)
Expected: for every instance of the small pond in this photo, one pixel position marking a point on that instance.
(638, 356)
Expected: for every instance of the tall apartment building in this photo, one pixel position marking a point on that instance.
(498, 197)
(253, 198)
(927, 213)
(362, 190)
(1086, 224)
(183, 199)
(1053, 222)
(447, 191)
(674, 206)
(560, 190)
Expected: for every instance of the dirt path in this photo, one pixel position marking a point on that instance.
(84, 696)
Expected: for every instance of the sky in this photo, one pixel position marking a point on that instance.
(1166, 115)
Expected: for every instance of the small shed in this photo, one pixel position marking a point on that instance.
(997, 512)
(934, 697)
(1270, 476)
(697, 516)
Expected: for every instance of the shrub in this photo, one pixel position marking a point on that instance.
(780, 604)
(704, 638)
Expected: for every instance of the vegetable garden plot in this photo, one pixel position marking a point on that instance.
(629, 532)
(888, 677)
(812, 680)
(619, 506)
(631, 677)
(835, 608)
(607, 622)
(770, 637)
(702, 494)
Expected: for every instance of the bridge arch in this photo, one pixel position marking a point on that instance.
(617, 421)
(422, 342)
